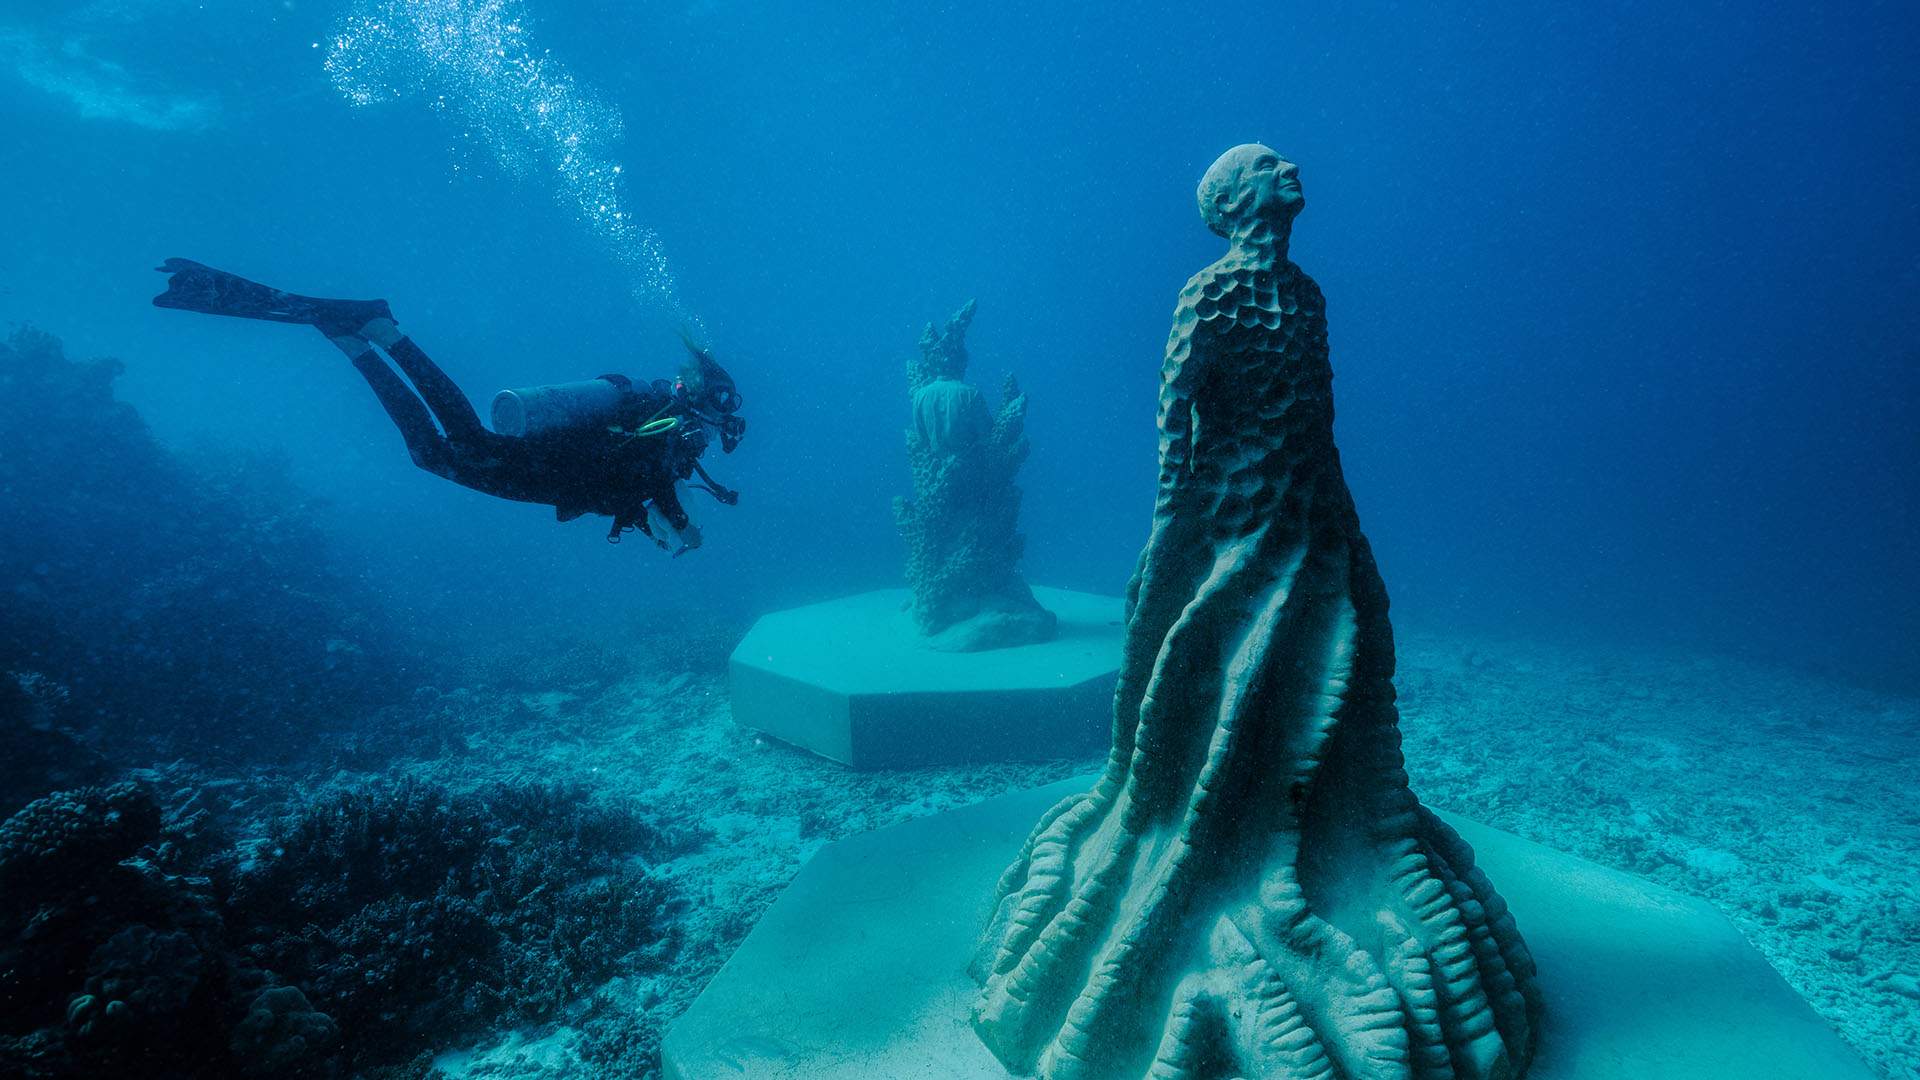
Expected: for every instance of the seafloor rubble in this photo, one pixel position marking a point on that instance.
(503, 947)
(1785, 799)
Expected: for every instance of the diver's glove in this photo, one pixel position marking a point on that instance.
(659, 527)
(689, 539)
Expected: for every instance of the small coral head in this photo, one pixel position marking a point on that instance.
(1248, 185)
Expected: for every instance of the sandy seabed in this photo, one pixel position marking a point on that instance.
(1789, 802)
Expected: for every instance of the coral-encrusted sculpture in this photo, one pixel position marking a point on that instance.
(1251, 889)
(962, 524)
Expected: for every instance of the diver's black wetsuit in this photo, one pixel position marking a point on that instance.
(575, 471)
(616, 468)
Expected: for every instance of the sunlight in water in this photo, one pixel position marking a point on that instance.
(475, 61)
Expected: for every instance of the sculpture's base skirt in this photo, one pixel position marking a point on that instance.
(852, 680)
(858, 972)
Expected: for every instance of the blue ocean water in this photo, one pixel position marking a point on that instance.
(1623, 314)
(1621, 301)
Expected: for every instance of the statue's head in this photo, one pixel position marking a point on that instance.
(1248, 185)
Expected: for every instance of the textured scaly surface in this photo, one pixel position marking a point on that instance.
(1251, 889)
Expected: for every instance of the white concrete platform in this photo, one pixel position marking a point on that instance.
(849, 680)
(858, 972)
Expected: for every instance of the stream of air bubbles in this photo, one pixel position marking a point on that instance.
(475, 62)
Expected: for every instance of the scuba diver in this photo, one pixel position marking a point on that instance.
(605, 446)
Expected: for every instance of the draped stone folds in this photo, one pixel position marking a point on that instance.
(1250, 889)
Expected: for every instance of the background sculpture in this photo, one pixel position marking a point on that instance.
(1251, 889)
(962, 524)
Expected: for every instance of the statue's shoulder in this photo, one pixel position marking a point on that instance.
(1306, 291)
(1221, 289)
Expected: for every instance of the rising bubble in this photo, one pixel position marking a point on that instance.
(475, 61)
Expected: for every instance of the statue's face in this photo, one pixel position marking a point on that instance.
(1250, 183)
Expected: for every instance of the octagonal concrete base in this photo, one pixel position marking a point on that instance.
(850, 680)
(858, 972)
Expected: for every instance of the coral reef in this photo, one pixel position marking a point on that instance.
(408, 912)
(141, 984)
(106, 962)
(126, 566)
(961, 526)
(282, 1034)
(1251, 888)
(1635, 761)
(762, 809)
(368, 923)
(39, 749)
(64, 840)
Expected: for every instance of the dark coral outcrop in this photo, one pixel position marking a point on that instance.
(106, 962)
(282, 1034)
(409, 912)
(70, 839)
(373, 923)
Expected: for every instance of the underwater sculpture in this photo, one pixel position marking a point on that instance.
(1250, 888)
(962, 524)
(930, 675)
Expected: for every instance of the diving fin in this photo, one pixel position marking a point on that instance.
(197, 287)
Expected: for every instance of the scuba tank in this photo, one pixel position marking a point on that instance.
(537, 410)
